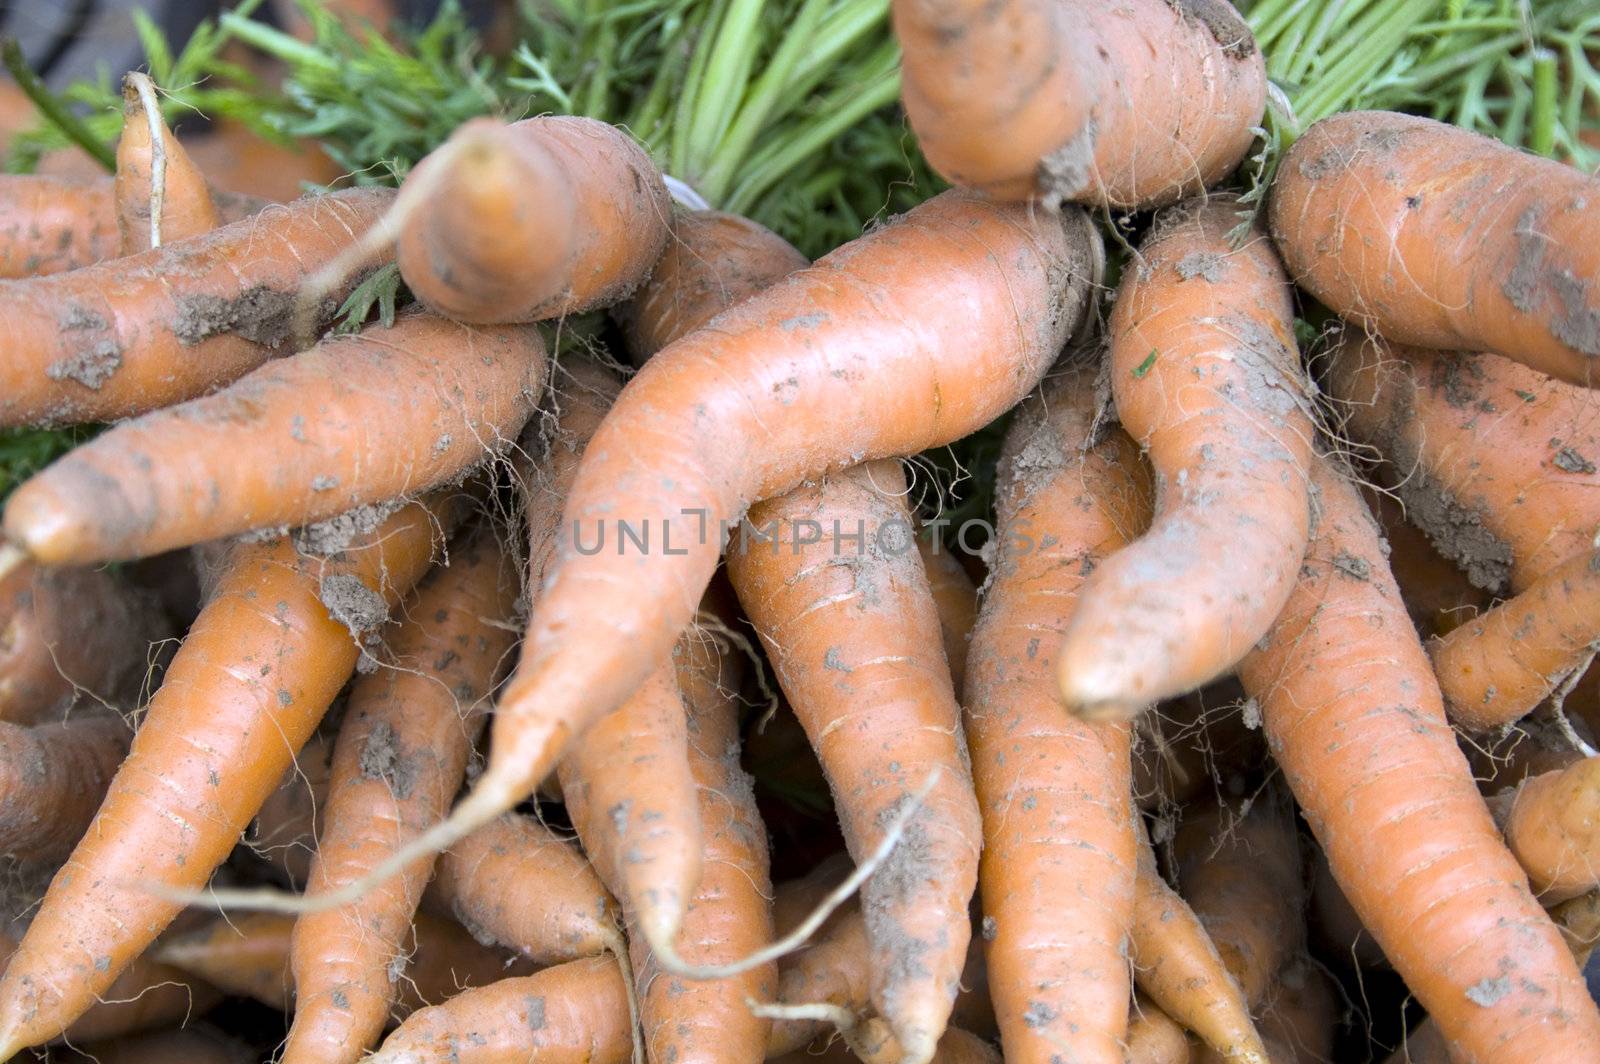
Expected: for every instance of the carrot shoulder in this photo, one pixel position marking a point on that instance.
(1357, 726)
(1371, 208)
(1057, 873)
(1207, 380)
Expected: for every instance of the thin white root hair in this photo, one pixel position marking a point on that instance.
(619, 949)
(146, 89)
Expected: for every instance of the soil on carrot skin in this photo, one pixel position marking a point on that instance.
(383, 758)
(1223, 22)
(353, 604)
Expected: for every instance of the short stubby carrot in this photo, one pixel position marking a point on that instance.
(1206, 378)
(852, 630)
(1375, 213)
(53, 224)
(1357, 726)
(531, 220)
(182, 206)
(130, 335)
(1127, 105)
(355, 421)
(1497, 463)
(573, 1012)
(400, 758)
(1058, 869)
(268, 653)
(1553, 827)
(52, 778)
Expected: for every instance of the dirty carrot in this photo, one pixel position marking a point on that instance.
(832, 969)
(355, 421)
(1357, 727)
(853, 633)
(1057, 874)
(530, 220)
(1207, 380)
(53, 224)
(1370, 206)
(1084, 96)
(273, 646)
(161, 196)
(52, 777)
(1553, 827)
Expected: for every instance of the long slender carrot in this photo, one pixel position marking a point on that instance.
(258, 669)
(286, 828)
(161, 196)
(536, 219)
(956, 596)
(854, 636)
(52, 777)
(1057, 876)
(401, 756)
(1494, 461)
(1357, 727)
(1370, 206)
(1206, 378)
(355, 421)
(1128, 105)
(575, 1012)
(135, 334)
(53, 224)
(1553, 827)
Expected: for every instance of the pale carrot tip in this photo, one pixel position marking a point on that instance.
(11, 556)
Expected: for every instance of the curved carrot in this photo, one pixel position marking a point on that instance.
(574, 1013)
(1496, 462)
(356, 420)
(1553, 827)
(854, 636)
(712, 261)
(1057, 875)
(1081, 101)
(1370, 209)
(269, 652)
(400, 758)
(1154, 1037)
(536, 219)
(1357, 727)
(135, 334)
(956, 596)
(286, 828)
(1206, 378)
(52, 777)
(161, 196)
(54, 224)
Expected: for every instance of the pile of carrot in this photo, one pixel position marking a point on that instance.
(466, 688)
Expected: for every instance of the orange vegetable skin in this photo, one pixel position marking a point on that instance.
(957, 599)
(853, 634)
(574, 1013)
(833, 969)
(1057, 876)
(1206, 379)
(187, 208)
(401, 756)
(135, 334)
(1127, 105)
(356, 420)
(729, 415)
(53, 224)
(537, 219)
(52, 777)
(1154, 1037)
(1357, 726)
(1434, 235)
(255, 674)
(1554, 829)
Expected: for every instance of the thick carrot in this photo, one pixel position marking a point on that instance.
(1553, 826)
(53, 224)
(957, 599)
(712, 261)
(1177, 966)
(1057, 876)
(853, 633)
(1154, 1037)
(400, 758)
(52, 777)
(1495, 461)
(1372, 210)
(1206, 378)
(1357, 727)
(536, 219)
(355, 421)
(574, 1013)
(289, 823)
(1126, 105)
(259, 667)
(75, 635)
(189, 1045)
(161, 196)
(135, 334)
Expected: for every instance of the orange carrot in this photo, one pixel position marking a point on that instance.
(853, 633)
(832, 969)
(574, 1013)
(52, 777)
(75, 635)
(1553, 826)
(134, 334)
(161, 196)
(1206, 378)
(355, 421)
(1081, 101)
(259, 667)
(53, 224)
(401, 756)
(1357, 727)
(1057, 876)
(1154, 1037)
(1370, 207)
(536, 219)
(289, 823)
(957, 599)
